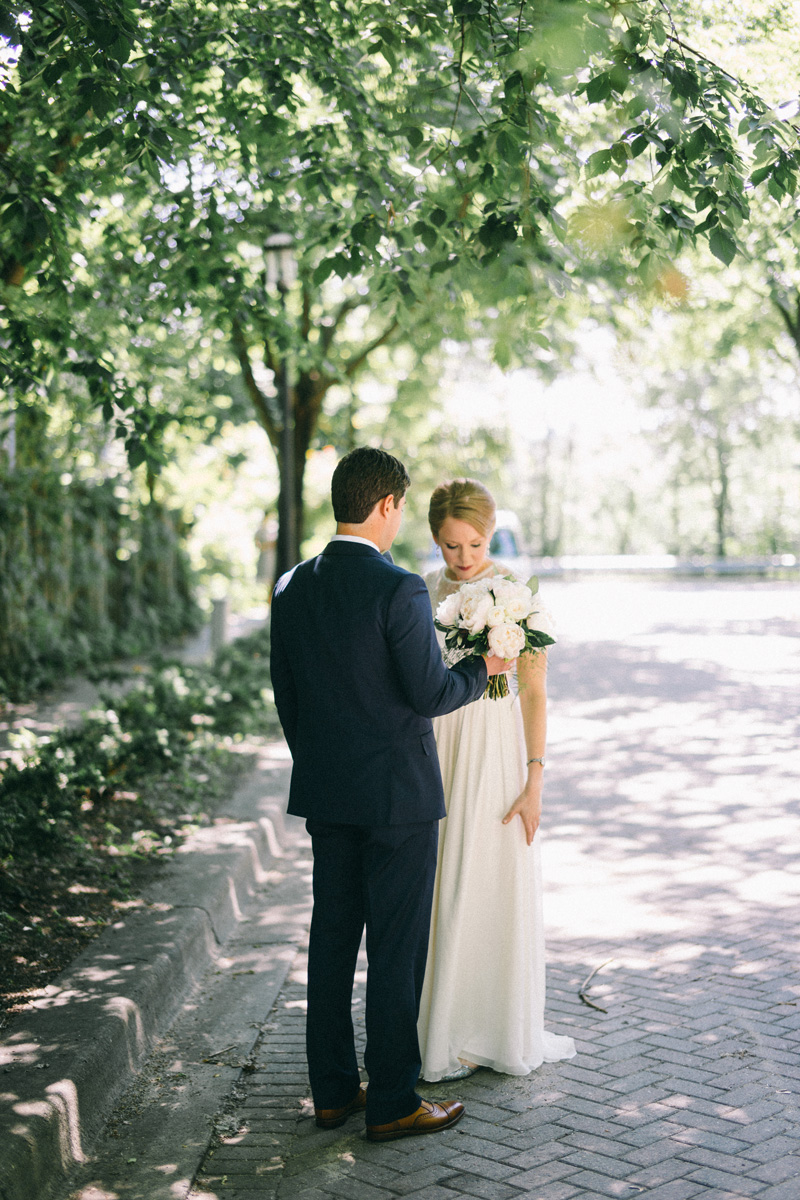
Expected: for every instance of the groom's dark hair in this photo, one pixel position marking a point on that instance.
(361, 479)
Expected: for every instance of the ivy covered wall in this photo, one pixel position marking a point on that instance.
(85, 575)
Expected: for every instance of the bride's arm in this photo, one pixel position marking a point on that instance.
(532, 676)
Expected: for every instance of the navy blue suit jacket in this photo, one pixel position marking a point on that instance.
(357, 675)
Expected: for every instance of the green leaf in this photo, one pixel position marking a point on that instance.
(426, 233)
(775, 189)
(507, 147)
(323, 270)
(135, 451)
(619, 78)
(366, 232)
(761, 174)
(340, 264)
(663, 189)
(502, 354)
(55, 70)
(705, 197)
(466, 8)
(102, 103)
(619, 155)
(648, 269)
(684, 83)
(710, 221)
(658, 32)
(497, 230)
(597, 163)
(722, 246)
(413, 136)
(599, 88)
(636, 106)
(696, 145)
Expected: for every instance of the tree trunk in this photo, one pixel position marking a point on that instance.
(290, 540)
(306, 395)
(721, 496)
(306, 401)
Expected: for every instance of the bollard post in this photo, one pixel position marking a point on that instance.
(219, 623)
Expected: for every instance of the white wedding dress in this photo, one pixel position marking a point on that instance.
(484, 991)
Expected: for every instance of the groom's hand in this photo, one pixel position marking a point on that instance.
(496, 665)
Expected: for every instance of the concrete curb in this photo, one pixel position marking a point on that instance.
(64, 1063)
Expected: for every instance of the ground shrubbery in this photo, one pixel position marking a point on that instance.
(84, 811)
(87, 573)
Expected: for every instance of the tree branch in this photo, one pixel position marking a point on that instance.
(258, 398)
(790, 320)
(328, 331)
(359, 360)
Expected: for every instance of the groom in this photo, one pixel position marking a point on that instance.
(357, 675)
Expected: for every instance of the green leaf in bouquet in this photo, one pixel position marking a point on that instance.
(538, 640)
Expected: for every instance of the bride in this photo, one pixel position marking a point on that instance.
(484, 991)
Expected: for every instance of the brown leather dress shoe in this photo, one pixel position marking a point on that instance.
(430, 1117)
(332, 1118)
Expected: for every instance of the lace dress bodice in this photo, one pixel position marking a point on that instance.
(440, 586)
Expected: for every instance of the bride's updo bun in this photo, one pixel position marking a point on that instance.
(464, 500)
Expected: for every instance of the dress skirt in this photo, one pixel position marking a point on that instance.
(484, 992)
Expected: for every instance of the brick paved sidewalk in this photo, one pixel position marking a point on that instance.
(670, 848)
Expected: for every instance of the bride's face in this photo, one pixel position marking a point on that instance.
(463, 548)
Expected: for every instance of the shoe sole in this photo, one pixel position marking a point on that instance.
(335, 1122)
(393, 1134)
(332, 1124)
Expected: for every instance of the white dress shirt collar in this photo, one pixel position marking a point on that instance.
(349, 537)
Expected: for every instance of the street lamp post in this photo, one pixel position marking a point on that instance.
(282, 271)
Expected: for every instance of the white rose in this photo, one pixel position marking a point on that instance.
(448, 611)
(542, 620)
(475, 611)
(518, 607)
(478, 587)
(504, 589)
(497, 615)
(506, 640)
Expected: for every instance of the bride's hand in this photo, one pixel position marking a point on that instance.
(528, 806)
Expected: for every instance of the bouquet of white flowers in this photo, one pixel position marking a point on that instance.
(499, 616)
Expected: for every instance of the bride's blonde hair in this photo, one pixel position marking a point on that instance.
(464, 500)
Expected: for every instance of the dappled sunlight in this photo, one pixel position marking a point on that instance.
(673, 792)
(63, 1095)
(128, 1012)
(669, 849)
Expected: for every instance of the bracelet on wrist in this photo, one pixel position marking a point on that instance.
(538, 760)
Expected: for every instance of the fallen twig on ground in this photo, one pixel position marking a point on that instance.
(585, 984)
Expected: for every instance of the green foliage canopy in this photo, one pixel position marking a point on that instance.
(430, 134)
(443, 168)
